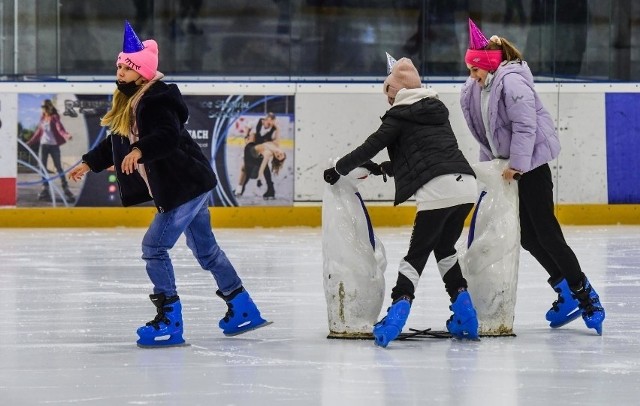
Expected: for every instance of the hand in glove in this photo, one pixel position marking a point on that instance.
(387, 168)
(331, 176)
(378, 170)
(372, 167)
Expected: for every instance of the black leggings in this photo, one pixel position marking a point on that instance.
(541, 234)
(437, 231)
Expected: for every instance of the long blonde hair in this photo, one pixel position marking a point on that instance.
(119, 117)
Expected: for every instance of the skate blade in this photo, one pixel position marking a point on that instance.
(464, 335)
(465, 338)
(571, 318)
(251, 328)
(160, 344)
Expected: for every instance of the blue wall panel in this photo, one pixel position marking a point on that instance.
(623, 147)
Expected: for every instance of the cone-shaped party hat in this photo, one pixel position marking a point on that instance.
(131, 41)
(390, 62)
(477, 40)
(137, 55)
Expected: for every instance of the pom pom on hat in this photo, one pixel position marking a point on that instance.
(404, 75)
(141, 56)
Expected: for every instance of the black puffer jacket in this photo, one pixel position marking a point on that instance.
(176, 168)
(420, 143)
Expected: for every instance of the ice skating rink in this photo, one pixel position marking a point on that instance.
(71, 300)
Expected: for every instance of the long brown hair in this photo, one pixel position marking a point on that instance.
(509, 51)
(277, 164)
(49, 108)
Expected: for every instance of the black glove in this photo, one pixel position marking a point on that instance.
(331, 176)
(372, 167)
(387, 168)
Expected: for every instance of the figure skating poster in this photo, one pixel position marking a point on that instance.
(250, 139)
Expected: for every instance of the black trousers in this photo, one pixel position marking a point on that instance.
(434, 231)
(541, 234)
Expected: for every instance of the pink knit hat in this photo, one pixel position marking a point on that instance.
(403, 75)
(139, 56)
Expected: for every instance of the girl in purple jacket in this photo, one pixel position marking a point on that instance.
(507, 118)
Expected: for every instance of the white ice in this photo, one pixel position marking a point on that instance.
(71, 300)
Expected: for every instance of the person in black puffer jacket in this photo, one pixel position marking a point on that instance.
(156, 159)
(426, 162)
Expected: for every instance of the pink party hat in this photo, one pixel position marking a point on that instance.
(477, 40)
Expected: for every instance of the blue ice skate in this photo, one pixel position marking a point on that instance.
(242, 315)
(590, 306)
(165, 330)
(463, 323)
(565, 309)
(390, 327)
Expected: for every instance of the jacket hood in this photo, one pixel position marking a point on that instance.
(169, 95)
(519, 67)
(420, 106)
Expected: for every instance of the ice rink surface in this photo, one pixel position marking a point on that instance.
(71, 300)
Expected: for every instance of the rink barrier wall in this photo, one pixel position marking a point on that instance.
(271, 217)
(596, 177)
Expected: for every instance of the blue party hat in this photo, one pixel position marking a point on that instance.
(131, 41)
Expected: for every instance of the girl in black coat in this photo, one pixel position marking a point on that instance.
(426, 163)
(155, 158)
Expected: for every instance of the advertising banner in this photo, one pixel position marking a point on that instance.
(248, 139)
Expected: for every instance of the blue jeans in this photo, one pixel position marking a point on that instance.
(192, 219)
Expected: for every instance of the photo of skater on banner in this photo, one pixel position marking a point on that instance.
(250, 142)
(54, 130)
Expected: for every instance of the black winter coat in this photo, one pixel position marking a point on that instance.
(176, 168)
(420, 143)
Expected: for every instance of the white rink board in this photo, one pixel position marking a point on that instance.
(582, 164)
(8, 135)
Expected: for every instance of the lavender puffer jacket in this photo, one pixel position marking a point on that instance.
(523, 130)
